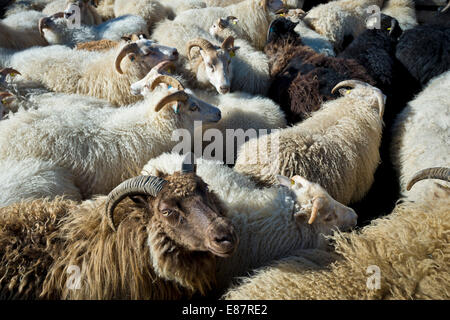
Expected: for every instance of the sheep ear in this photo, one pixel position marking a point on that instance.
(233, 19)
(285, 181)
(300, 181)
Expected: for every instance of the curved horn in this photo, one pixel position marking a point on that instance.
(446, 8)
(199, 42)
(176, 96)
(142, 185)
(317, 204)
(167, 80)
(130, 47)
(348, 83)
(441, 173)
(4, 94)
(354, 83)
(6, 71)
(188, 164)
(228, 43)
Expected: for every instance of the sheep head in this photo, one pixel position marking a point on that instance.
(281, 29)
(222, 27)
(181, 207)
(390, 26)
(360, 91)
(215, 66)
(84, 9)
(53, 28)
(143, 86)
(146, 52)
(441, 173)
(316, 206)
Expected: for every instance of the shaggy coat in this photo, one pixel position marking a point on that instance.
(20, 31)
(61, 69)
(99, 147)
(421, 136)
(425, 51)
(263, 218)
(89, 15)
(402, 10)
(152, 11)
(410, 247)
(302, 78)
(254, 19)
(337, 147)
(132, 263)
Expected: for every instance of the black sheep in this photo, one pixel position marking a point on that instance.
(425, 51)
(302, 78)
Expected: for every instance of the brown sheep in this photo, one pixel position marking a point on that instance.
(164, 247)
(303, 78)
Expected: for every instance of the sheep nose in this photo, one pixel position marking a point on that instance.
(224, 89)
(174, 54)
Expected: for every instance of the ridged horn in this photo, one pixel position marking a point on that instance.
(164, 65)
(188, 164)
(176, 96)
(317, 204)
(204, 44)
(354, 83)
(446, 8)
(167, 80)
(441, 173)
(130, 47)
(142, 185)
(228, 43)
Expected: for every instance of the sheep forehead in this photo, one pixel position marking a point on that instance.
(182, 185)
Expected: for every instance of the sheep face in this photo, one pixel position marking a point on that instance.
(217, 69)
(54, 29)
(193, 217)
(218, 28)
(144, 52)
(315, 206)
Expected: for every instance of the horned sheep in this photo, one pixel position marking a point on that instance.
(20, 31)
(105, 75)
(87, 13)
(278, 221)
(337, 147)
(163, 247)
(421, 133)
(79, 139)
(56, 30)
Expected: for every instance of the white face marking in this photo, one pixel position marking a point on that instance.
(218, 70)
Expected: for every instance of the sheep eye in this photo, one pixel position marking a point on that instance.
(167, 213)
(193, 107)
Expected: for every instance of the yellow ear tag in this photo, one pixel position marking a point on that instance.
(292, 182)
(348, 91)
(282, 14)
(234, 22)
(232, 54)
(4, 101)
(12, 75)
(169, 70)
(389, 29)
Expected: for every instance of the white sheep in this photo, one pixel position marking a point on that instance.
(337, 147)
(152, 11)
(254, 16)
(271, 222)
(402, 10)
(106, 75)
(87, 13)
(55, 30)
(339, 19)
(421, 135)
(25, 5)
(20, 31)
(101, 147)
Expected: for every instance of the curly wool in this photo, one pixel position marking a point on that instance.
(410, 247)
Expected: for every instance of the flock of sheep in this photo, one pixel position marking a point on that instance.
(356, 98)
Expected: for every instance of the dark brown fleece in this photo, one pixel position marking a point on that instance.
(303, 79)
